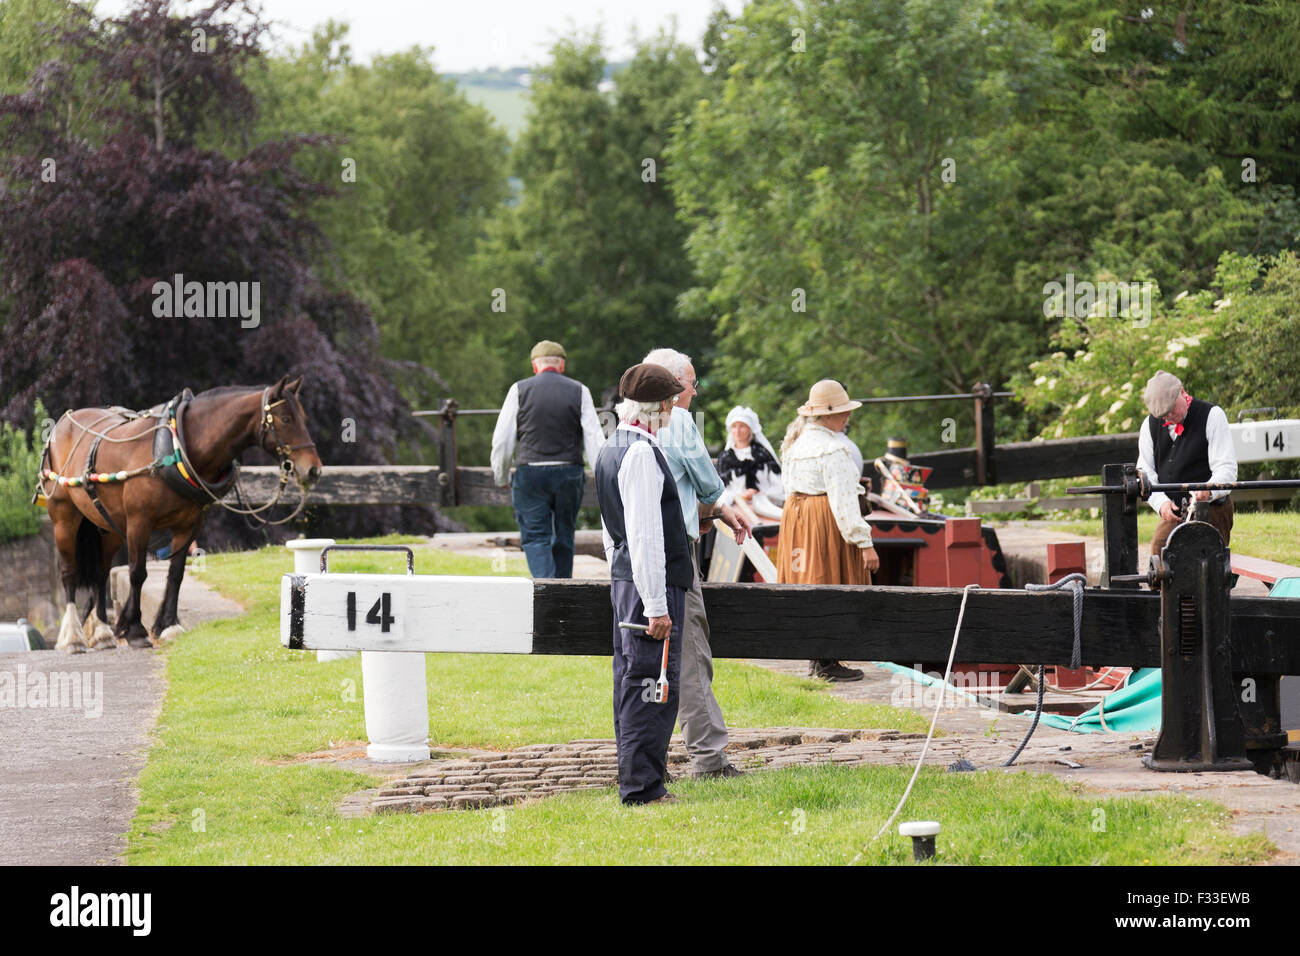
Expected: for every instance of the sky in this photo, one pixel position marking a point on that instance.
(476, 34)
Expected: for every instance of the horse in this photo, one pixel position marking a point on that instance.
(110, 475)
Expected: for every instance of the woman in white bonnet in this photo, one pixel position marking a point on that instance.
(749, 466)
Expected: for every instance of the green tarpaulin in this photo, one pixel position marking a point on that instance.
(1137, 706)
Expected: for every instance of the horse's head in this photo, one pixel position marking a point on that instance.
(282, 431)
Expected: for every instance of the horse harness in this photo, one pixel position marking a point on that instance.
(171, 463)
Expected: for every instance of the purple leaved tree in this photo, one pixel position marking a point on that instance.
(147, 245)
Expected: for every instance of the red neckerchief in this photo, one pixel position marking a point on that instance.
(1178, 426)
(640, 427)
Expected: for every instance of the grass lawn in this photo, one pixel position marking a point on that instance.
(1273, 535)
(217, 787)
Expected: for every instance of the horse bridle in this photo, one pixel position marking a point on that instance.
(267, 424)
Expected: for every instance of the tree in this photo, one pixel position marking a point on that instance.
(880, 191)
(419, 170)
(592, 255)
(850, 202)
(28, 36)
(94, 228)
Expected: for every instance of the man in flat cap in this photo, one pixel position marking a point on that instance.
(1185, 440)
(545, 424)
(650, 572)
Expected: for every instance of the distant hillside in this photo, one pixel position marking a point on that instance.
(504, 92)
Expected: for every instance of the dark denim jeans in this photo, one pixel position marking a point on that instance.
(546, 500)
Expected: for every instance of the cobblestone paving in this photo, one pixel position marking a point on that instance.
(487, 779)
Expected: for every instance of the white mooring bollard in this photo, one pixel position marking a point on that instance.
(396, 694)
(372, 607)
(306, 560)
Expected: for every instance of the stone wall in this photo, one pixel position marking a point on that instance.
(29, 580)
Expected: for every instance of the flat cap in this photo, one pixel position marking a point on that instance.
(546, 348)
(1162, 391)
(648, 382)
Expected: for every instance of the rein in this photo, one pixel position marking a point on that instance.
(169, 420)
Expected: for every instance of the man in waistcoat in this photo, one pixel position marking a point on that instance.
(546, 423)
(650, 572)
(1185, 440)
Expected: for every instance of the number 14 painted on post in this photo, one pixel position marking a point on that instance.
(381, 612)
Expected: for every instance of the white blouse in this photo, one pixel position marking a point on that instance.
(818, 463)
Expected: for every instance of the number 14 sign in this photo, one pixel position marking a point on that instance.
(371, 613)
(1266, 441)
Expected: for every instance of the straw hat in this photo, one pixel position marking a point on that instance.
(828, 397)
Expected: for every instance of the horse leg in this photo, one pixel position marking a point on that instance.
(66, 522)
(99, 632)
(167, 624)
(137, 550)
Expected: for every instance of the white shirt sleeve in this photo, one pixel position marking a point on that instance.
(1223, 460)
(842, 492)
(503, 437)
(593, 436)
(1146, 464)
(641, 484)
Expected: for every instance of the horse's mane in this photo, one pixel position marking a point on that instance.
(221, 390)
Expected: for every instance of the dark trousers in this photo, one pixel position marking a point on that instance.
(643, 728)
(1221, 514)
(546, 500)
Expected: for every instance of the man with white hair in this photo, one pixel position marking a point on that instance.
(699, 486)
(650, 570)
(1184, 441)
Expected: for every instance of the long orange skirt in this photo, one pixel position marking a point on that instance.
(811, 549)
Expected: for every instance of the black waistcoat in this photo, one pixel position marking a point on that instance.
(1188, 459)
(549, 426)
(677, 555)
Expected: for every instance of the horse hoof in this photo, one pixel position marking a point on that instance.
(101, 637)
(170, 633)
(141, 642)
(75, 648)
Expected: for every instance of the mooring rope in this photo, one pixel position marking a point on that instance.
(934, 720)
(1076, 583)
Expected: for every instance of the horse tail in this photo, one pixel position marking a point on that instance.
(89, 554)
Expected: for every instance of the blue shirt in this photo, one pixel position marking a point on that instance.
(691, 467)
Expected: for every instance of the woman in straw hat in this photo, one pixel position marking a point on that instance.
(824, 538)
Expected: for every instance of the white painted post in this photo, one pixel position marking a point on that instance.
(393, 619)
(306, 560)
(396, 693)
